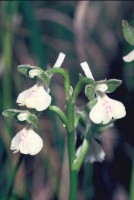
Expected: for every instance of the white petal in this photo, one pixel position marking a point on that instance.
(34, 72)
(30, 101)
(118, 109)
(15, 142)
(22, 96)
(27, 142)
(87, 70)
(23, 116)
(101, 87)
(78, 151)
(129, 57)
(31, 95)
(96, 153)
(34, 143)
(97, 113)
(35, 97)
(42, 100)
(59, 60)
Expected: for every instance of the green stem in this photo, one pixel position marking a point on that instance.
(59, 113)
(132, 182)
(64, 73)
(10, 189)
(71, 150)
(81, 156)
(79, 85)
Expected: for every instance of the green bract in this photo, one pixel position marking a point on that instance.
(14, 113)
(112, 84)
(97, 129)
(24, 69)
(33, 71)
(89, 92)
(128, 32)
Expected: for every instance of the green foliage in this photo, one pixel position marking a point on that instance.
(89, 92)
(13, 113)
(24, 69)
(112, 84)
(128, 32)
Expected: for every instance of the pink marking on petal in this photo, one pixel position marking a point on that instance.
(32, 93)
(107, 106)
(23, 138)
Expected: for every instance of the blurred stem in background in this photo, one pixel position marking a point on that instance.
(88, 176)
(9, 10)
(35, 35)
(132, 180)
(12, 180)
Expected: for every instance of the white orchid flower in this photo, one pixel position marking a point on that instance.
(35, 97)
(27, 142)
(105, 109)
(95, 153)
(129, 57)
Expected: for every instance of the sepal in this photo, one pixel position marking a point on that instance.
(21, 116)
(24, 69)
(112, 84)
(128, 32)
(89, 92)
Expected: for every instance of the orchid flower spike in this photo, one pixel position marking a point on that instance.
(129, 57)
(27, 142)
(35, 97)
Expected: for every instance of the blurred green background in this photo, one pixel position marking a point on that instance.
(34, 32)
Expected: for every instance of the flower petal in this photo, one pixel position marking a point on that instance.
(87, 70)
(23, 116)
(22, 96)
(118, 109)
(34, 72)
(102, 111)
(97, 113)
(34, 143)
(15, 143)
(129, 57)
(30, 101)
(96, 153)
(27, 142)
(42, 100)
(101, 87)
(59, 60)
